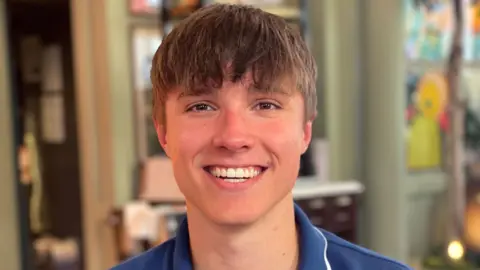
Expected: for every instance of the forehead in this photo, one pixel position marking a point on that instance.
(247, 82)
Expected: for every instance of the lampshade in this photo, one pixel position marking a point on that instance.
(472, 223)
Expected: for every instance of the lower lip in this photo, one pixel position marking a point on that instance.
(236, 186)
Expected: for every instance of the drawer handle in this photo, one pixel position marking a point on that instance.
(343, 201)
(317, 204)
(342, 217)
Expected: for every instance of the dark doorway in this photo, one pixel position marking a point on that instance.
(45, 128)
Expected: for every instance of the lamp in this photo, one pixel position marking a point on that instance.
(455, 250)
(472, 223)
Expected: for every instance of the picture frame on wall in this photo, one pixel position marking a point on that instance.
(145, 40)
(472, 31)
(426, 119)
(429, 30)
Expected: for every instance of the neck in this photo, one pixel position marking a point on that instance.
(270, 243)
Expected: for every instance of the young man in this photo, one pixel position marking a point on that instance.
(234, 101)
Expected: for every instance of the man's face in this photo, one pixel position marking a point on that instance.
(235, 151)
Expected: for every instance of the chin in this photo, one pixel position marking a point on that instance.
(236, 204)
(235, 216)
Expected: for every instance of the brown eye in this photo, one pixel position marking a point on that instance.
(267, 106)
(200, 107)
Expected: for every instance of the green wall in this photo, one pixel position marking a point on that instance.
(121, 103)
(9, 227)
(383, 128)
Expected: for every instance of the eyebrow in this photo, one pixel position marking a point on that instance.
(276, 90)
(196, 92)
(201, 91)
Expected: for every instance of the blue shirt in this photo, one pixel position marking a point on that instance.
(319, 250)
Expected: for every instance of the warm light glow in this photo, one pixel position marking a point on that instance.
(455, 250)
(472, 222)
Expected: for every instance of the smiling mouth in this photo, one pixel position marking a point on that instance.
(235, 174)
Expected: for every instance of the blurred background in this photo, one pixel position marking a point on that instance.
(85, 185)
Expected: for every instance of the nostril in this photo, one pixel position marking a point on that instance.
(233, 140)
(235, 147)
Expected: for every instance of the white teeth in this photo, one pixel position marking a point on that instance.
(231, 173)
(234, 175)
(238, 173)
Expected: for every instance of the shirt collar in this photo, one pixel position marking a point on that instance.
(313, 246)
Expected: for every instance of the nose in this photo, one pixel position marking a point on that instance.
(232, 132)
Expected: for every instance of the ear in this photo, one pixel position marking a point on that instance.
(161, 135)
(307, 135)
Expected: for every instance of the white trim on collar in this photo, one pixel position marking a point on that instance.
(327, 263)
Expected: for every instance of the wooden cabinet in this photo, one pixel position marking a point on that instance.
(331, 206)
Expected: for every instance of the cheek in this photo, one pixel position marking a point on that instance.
(186, 138)
(284, 136)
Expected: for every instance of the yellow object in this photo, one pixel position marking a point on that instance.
(424, 144)
(424, 140)
(38, 218)
(455, 250)
(432, 95)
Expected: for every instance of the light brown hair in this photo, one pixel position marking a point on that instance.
(223, 42)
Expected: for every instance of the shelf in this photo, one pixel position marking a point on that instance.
(307, 188)
(288, 13)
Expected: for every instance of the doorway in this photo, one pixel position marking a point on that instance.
(45, 148)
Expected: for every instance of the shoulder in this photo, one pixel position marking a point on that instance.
(158, 256)
(345, 255)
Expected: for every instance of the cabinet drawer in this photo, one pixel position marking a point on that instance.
(334, 214)
(342, 221)
(315, 206)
